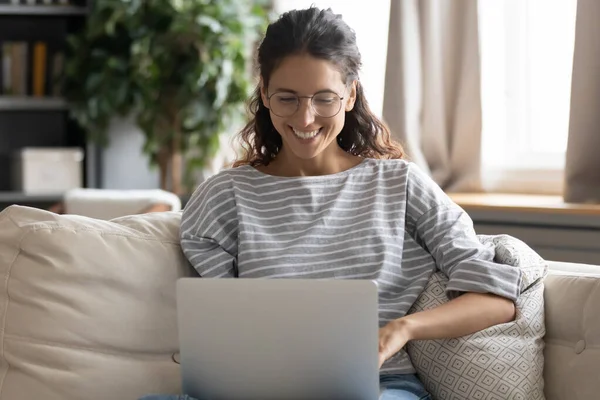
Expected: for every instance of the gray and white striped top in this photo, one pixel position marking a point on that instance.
(383, 220)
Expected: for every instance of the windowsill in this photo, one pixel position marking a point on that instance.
(525, 209)
(523, 203)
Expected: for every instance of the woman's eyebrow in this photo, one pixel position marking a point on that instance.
(279, 90)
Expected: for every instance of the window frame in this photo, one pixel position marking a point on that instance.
(510, 162)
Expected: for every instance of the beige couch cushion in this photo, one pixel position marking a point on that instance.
(87, 310)
(87, 307)
(572, 298)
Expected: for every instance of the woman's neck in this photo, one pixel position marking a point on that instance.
(288, 165)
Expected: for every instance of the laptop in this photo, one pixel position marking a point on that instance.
(278, 339)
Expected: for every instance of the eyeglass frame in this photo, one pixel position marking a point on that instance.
(311, 102)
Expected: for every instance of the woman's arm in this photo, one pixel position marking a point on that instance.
(461, 316)
(482, 291)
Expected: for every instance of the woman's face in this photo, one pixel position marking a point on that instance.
(304, 132)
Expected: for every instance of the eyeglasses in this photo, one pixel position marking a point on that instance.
(325, 104)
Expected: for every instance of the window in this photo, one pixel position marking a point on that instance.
(371, 27)
(526, 51)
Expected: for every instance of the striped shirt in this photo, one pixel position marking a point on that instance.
(382, 220)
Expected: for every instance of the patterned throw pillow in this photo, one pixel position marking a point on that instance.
(502, 362)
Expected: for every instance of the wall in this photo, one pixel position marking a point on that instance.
(569, 238)
(123, 165)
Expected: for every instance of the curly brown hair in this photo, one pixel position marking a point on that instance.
(324, 35)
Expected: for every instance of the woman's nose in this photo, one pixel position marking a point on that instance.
(305, 114)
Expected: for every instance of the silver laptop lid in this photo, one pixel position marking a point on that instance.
(280, 339)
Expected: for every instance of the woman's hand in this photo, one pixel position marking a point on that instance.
(392, 338)
(461, 316)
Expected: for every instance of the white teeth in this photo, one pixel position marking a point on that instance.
(305, 135)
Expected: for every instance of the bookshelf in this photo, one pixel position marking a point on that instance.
(19, 197)
(56, 10)
(23, 103)
(33, 38)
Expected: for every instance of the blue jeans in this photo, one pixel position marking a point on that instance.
(393, 387)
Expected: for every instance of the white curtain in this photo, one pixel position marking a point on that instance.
(582, 170)
(432, 98)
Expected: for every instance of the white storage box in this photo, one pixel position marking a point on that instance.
(50, 170)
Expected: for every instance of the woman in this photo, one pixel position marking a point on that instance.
(322, 192)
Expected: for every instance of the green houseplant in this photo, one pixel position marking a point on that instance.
(181, 67)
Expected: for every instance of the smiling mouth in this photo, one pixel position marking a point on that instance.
(306, 135)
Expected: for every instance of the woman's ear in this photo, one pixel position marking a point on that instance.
(263, 93)
(351, 96)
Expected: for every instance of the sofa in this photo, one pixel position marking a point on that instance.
(87, 310)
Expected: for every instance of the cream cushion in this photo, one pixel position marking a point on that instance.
(87, 306)
(505, 361)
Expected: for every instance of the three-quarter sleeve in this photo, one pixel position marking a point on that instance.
(446, 231)
(209, 229)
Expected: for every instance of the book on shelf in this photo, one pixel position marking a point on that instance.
(40, 53)
(56, 70)
(14, 68)
(30, 69)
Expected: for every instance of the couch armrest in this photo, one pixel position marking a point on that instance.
(575, 269)
(572, 354)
